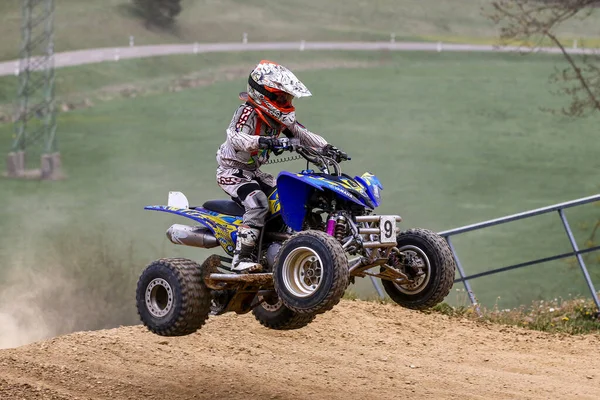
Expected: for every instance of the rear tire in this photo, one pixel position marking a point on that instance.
(273, 314)
(433, 251)
(310, 273)
(172, 298)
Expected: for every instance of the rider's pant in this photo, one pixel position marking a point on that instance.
(248, 188)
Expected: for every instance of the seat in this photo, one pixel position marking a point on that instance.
(227, 207)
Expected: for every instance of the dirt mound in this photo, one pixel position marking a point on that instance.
(359, 350)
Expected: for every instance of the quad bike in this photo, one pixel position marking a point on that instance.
(316, 222)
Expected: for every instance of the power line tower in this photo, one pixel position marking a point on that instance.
(35, 114)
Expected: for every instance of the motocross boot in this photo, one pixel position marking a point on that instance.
(242, 256)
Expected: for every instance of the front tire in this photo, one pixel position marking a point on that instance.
(428, 252)
(311, 272)
(172, 298)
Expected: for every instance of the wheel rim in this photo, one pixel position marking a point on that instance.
(420, 282)
(159, 297)
(268, 306)
(302, 272)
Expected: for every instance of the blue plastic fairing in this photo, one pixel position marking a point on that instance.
(372, 185)
(295, 189)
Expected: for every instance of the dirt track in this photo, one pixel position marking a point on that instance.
(359, 350)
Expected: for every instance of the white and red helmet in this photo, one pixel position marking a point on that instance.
(272, 87)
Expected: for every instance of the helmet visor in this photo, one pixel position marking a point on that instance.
(284, 100)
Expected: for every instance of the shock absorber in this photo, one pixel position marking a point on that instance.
(340, 227)
(330, 229)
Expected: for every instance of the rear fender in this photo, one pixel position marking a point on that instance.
(224, 227)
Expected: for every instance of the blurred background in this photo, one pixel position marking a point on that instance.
(455, 138)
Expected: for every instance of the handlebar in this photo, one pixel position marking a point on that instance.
(331, 157)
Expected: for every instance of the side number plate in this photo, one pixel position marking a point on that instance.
(387, 228)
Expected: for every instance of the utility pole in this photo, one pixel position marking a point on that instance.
(35, 114)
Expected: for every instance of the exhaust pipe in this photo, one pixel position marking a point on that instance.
(192, 236)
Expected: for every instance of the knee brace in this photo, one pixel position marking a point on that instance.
(257, 207)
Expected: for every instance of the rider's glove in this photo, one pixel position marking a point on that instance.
(265, 142)
(271, 143)
(335, 153)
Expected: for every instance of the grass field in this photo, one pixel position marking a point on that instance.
(455, 139)
(107, 80)
(109, 23)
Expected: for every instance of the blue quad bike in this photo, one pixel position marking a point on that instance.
(321, 233)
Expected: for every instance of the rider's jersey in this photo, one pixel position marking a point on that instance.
(241, 149)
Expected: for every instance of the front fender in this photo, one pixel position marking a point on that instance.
(294, 192)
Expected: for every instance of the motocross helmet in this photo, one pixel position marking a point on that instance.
(272, 87)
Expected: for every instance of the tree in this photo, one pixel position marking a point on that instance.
(159, 12)
(536, 21)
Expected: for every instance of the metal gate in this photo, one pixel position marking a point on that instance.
(559, 208)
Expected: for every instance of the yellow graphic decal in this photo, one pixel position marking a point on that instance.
(223, 229)
(274, 205)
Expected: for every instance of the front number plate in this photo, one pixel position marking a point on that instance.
(387, 228)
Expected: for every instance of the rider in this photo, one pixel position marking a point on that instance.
(252, 134)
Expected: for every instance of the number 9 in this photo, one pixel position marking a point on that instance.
(388, 229)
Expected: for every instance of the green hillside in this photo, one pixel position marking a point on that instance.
(109, 23)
